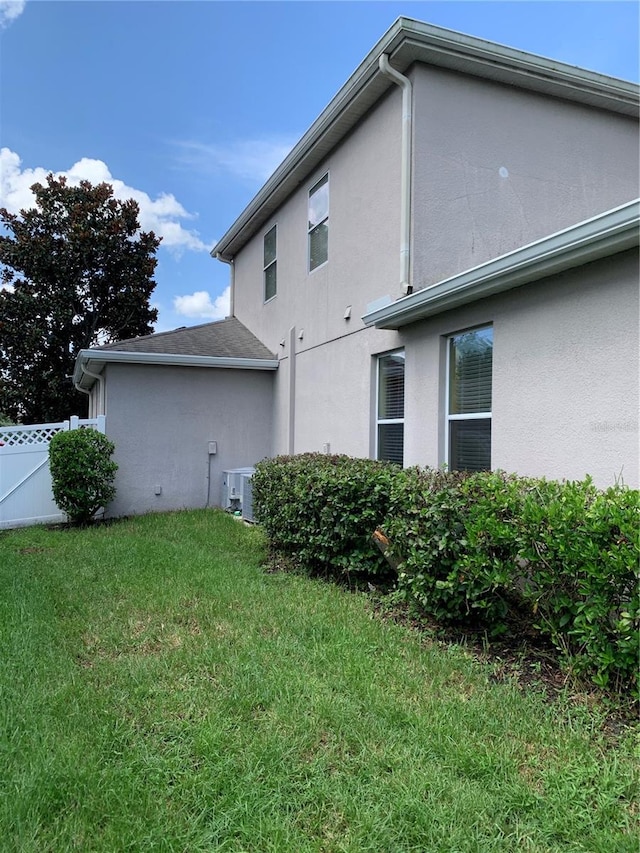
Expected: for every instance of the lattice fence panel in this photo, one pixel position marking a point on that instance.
(28, 436)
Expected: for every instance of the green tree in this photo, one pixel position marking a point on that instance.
(77, 271)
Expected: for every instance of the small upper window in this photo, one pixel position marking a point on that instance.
(270, 264)
(318, 225)
(469, 403)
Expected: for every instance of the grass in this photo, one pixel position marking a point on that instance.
(160, 692)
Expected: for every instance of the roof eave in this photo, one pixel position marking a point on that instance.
(408, 41)
(95, 360)
(598, 237)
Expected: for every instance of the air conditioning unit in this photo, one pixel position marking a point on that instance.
(233, 486)
(247, 498)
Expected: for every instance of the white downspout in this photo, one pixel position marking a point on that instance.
(100, 380)
(405, 191)
(292, 391)
(232, 280)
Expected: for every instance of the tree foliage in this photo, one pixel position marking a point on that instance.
(77, 272)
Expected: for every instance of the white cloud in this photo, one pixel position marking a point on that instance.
(10, 10)
(252, 159)
(199, 305)
(161, 215)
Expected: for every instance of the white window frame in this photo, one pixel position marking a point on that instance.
(383, 421)
(326, 219)
(266, 299)
(468, 417)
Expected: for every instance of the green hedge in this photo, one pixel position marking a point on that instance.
(320, 510)
(497, 550)
(492, 550)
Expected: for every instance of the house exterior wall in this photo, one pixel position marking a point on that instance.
(565, 376)
(364, 242)
(496, 167)
(161, 420)
(331, 403)
(565, 387)
(332, 397)
(335, 394)
(565, 380)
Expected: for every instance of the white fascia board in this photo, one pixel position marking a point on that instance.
(478, 56)
(409, 41)
(96, 359)
(603, 235)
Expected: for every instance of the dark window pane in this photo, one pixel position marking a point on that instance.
(391, 442)
(270, 247)
(470, 445)
(470, 368)
(270, 276)
(391, 386)
(318, 245)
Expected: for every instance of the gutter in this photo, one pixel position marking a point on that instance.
(89, 356)
(100, 379)
(406, 170)
(601, 236)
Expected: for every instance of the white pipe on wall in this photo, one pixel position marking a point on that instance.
(101, 401)
(232, 279)
(292, 390)
(406, 166)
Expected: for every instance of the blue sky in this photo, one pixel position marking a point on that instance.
(189, 106)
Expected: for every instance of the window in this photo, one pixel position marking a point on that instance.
(318, 226)
(390, 408)
(470, 360)
(270, 264)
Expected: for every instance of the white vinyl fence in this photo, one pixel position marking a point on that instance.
(26, 496)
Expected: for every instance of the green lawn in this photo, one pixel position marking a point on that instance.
(160, 692)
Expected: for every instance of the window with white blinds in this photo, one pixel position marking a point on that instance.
(470, 366)
(390, 407)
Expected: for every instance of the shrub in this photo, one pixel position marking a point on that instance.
(489, 550)
(581, 547)
(82, 473)
(453, 534)
(426, 530)
(321, 510)
(560, 558)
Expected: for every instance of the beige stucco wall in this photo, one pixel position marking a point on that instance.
(334, 393)
(565, 380)
(332, 357)
(565, 376)
(565, 370)
(497, 167)
(364, 241)
(161, 420)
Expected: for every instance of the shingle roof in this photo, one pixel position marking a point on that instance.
(223, 338)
